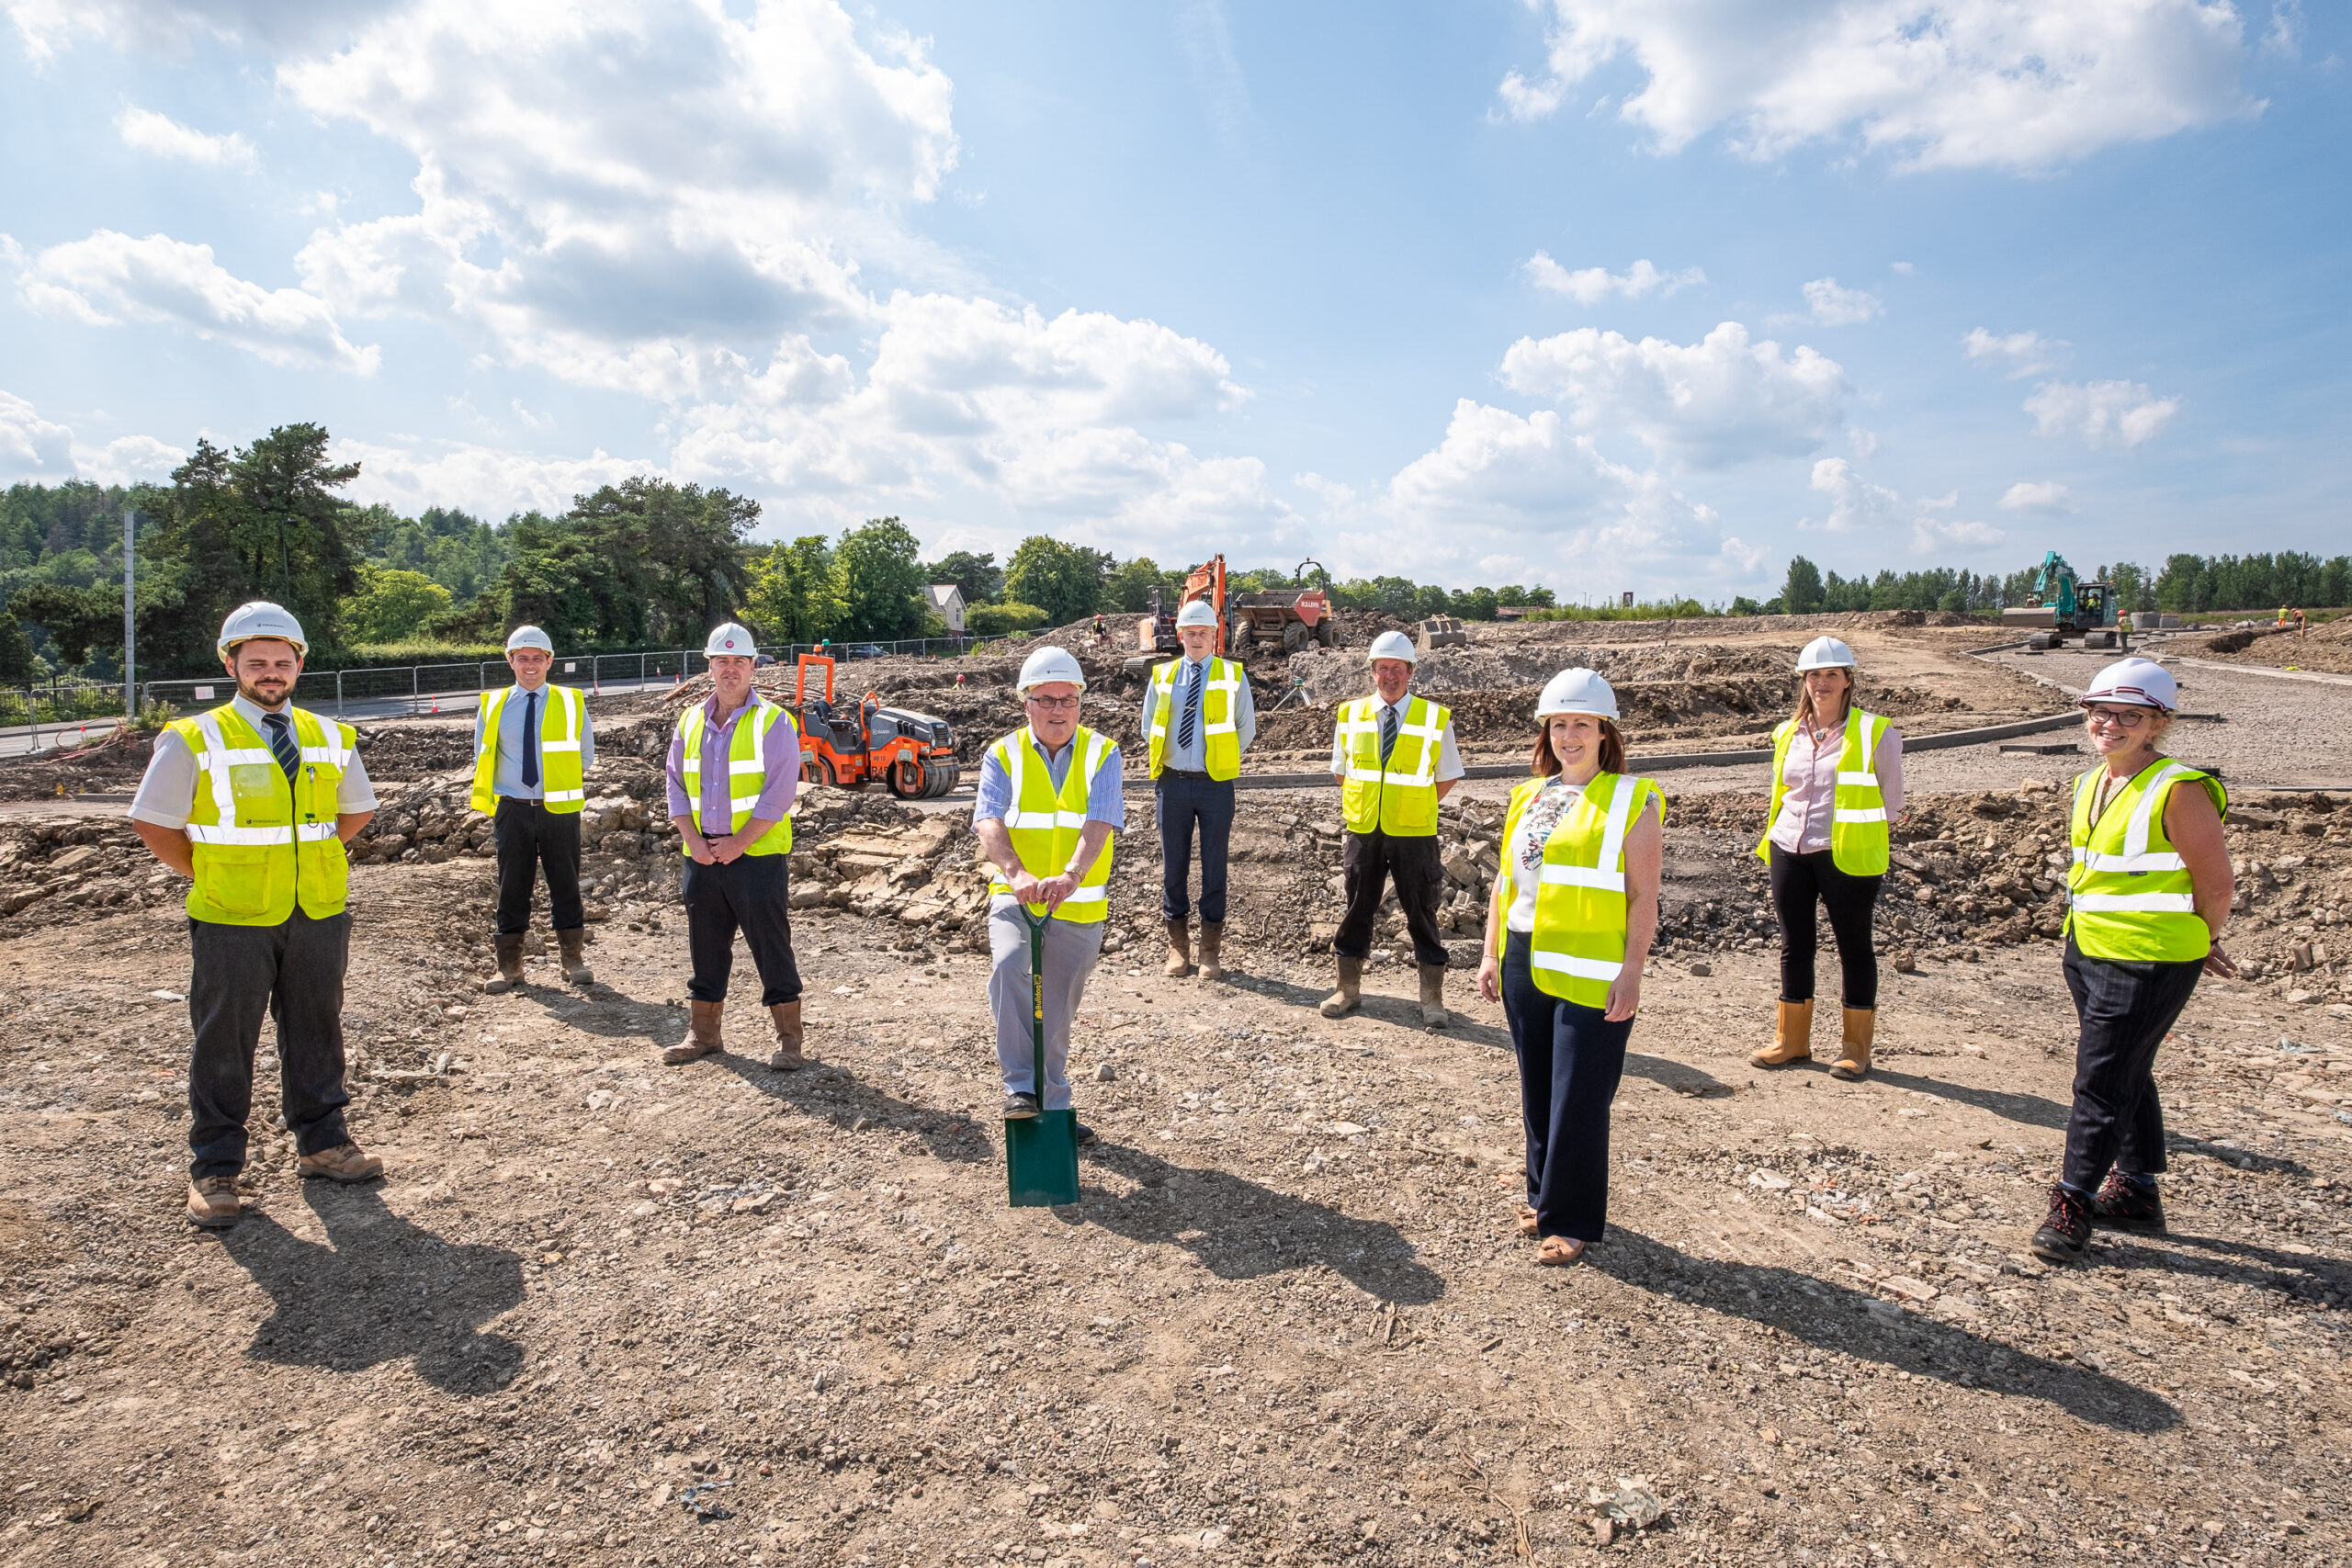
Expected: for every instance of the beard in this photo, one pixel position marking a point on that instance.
(251, 691)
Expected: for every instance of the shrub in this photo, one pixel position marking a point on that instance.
(1002, 620)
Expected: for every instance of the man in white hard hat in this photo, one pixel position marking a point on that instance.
(1199, 717)
(533, 747)
(255, 800)
(1394, 756)
(733, 773)
(1051, 806)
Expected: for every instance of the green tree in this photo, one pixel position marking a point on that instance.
(878, 571)
(1800, 591)
(394, 605)
(977, 577)
(565, 583)
(1064, 580)
(795, 595)
(680, 550)
(1130, 586)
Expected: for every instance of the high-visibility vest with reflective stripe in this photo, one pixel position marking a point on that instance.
(747, 773)
(1043, 823)
(1857, 836)
(260, 846)
(2128, 896)
(1578, 942)
(1219, 704)
(1399, 798)
(562, 718)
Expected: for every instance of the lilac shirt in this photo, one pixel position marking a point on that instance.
(779, 751)
(1811, 777)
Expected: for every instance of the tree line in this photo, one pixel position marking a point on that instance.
(2186, 583)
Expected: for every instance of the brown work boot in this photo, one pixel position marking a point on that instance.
(1862, 1027)
(344, 1162)
(573, 944)
(702, 1035)
(1212, 943)
(1180, 949)
(212, 1202)
(1344, 1000)
(1792, 1037)
(1433, 1013)
(510, 964)
(788, 1057)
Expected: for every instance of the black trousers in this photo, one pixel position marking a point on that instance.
(1367, 860)
(752, 894)
(2126, 1009)
(1570, 1061)
(1184, 800)
(1798, 882)
(530, 839)
(293, 971)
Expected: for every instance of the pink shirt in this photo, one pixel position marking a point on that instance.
(1810, 775)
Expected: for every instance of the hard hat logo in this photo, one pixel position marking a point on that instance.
(730, 638)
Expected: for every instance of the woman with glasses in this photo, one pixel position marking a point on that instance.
(2148, 895)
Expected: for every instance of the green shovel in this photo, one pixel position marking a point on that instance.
(1040, 1151)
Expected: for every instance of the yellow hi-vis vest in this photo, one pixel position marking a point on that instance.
(1578, 943)
(1045, 823)
(2128, 896)
(1857, 836)
(747, 773)
(561, 716)
(1400, 798)
(260, 847)
(1221, 740)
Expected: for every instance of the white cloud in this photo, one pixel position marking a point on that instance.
(488, 481)
(1929, 536)
(1834, 307)
(144, 131)
(2005, 84)
(109, 279)
(34, 448)
(2102, 413)
(2044, 497)
(129, 459)
(1591, 285)
(1718, 401)
(1857, 505)
(2022, 354)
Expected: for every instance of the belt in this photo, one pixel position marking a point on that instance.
(1185, 772)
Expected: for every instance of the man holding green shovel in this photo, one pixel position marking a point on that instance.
(1050, 802)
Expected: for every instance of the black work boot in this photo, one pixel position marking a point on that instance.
(2130, 1205)
(2067, 1231)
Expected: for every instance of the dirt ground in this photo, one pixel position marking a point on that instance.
(603, 1311)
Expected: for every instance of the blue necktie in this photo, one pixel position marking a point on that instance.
(531, 740)
(1192, 705)
(282, 746)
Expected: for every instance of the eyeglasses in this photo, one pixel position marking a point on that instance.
(2122, 718)
(1053, 705)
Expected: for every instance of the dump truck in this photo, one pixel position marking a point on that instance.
(2062, 606)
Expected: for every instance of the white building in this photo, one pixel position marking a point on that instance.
(948, 600)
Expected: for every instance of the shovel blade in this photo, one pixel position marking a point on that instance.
(1041, 1159)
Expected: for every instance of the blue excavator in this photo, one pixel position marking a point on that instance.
(2063, 606)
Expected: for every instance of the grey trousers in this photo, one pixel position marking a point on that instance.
(293, 971)
(1071, 948)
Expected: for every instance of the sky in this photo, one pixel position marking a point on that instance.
(1605, 295)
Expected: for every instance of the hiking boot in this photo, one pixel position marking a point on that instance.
(788, 1057)
(1085, 1133)
(1019, 1107)
(2067, 1230)
(1180, 949)
(1211, 941)
(573, 945)
(1854, 1060)
(212, 1202)
(509, 949)
(1433, 1013)
(1349, 995)
(2132, 1205)
(702, 1035)
(1792, 1037)
(344, 1162)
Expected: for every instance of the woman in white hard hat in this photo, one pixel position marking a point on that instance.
(1567, 932)
(2148, 896)
(1837, 785)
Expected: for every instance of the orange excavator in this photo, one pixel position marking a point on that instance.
(914, 753)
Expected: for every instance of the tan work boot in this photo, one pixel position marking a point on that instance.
(1792, 1037)
(702, 1035)
(1862, 1027)
(1211, 944)
(1433, 1013)
(573, 944)
(788, 1057)
(212, 1202)
(344, 1162)
(1349, 995)
(510, 964)
(1180, 949)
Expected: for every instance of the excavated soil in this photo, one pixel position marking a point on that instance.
(2326, 645)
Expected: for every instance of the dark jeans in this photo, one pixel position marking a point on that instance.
(2125, 1010)
(529, 837)
(1570, 1059)
(1366, 860)
(293, 971)
(752, 894)
(1185, 799)
(1797, 882)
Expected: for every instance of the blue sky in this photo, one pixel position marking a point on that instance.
(1600, 294)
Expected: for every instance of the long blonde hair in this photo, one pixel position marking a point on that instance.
(1805, 697)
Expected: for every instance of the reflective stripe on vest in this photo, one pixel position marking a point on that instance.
(1399, 799)
(562, 782)
(1858, 840)
(1221, 705)
(1045, 823)
(261, 847)
(1578, 947)
(746, 758)
(2130, 898)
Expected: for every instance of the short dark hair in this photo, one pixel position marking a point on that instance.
(1543, 765)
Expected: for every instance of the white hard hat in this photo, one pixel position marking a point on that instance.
(261, 618)
(1393, 645)
(730, 637)
(2141, 682)
(529, 637)
(1577, 691)
(1824, 653)
(1199, 613)
(1047, 666)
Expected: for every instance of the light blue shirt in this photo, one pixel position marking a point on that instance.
(508, 777)
(1194, 758)
(1105, 802)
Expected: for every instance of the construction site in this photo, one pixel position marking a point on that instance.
(603, 1311)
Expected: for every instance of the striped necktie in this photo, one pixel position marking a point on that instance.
(1192, 703)
(282, 746)
(1388, 731)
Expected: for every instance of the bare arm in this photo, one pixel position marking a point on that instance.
(2195, 829)
(348, 823)
(1445, 787)
(169, 845)
(1645, 868)
(1490, 948)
